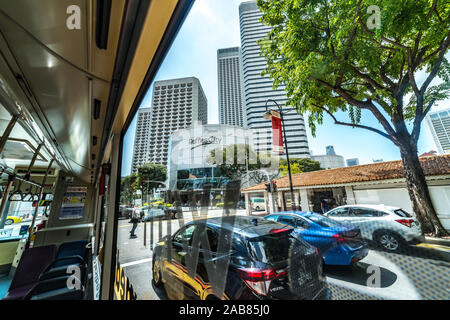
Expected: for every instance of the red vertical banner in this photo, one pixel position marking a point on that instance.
(277, 133)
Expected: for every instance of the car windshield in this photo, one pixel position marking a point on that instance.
(271, 248)
(402, 213)
(323, 221)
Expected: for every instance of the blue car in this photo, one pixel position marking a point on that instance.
(338, 244)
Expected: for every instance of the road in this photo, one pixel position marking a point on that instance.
(423, 272)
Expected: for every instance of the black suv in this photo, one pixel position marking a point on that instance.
(238, 257)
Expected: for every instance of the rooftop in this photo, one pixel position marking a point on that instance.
(432, 166)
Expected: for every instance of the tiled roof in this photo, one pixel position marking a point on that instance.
(432, 166)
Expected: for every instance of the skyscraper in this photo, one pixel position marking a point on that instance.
(141, 139)
(230, 80)
(258, 89)
(176, 104)
(439, 124)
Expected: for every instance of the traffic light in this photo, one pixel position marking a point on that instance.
(274, 186)
(268, 187)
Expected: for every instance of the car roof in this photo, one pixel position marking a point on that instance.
(243, 225)
(294, 213)
(370, 206)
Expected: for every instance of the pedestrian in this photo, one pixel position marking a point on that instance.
(324, 205)
(134, 220)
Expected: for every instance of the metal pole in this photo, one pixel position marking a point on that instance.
(145, 233)
(33, 221)
(293, 206)
(4, 200)
(7, 131)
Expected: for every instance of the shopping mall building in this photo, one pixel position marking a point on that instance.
(190, 170)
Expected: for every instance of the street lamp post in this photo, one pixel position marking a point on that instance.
(287, 151)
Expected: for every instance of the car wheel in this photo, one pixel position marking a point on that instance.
(389, 241)
(157, 277)
(9, 222)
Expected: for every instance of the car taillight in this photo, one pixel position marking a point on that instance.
(406, 222)
(338, 238)
(278, 230)
(259, 280)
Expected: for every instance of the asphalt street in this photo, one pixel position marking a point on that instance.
(421, 272)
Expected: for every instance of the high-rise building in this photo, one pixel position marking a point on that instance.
(352, 162)
(176, 104)
(258, 89)
(330, 160)
(230, 80)
(439, 124)
(141, 139)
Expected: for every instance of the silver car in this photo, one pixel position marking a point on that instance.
(389, 227)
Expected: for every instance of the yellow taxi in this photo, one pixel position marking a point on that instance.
(11, 220)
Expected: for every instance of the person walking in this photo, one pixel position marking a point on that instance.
(324, 205)
(134, 220)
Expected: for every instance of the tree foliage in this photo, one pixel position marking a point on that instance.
(128, 188)
(301, 165)
(150, 172)
(236, 159)
(331, 60)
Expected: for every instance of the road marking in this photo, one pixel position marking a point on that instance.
(135, 262)
(433, 246)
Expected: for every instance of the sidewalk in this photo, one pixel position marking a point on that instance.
(440, 241)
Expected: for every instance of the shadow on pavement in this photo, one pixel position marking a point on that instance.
(160, 292)
(418, 252)
(358, 274)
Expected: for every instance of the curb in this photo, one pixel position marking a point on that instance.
(442, 242)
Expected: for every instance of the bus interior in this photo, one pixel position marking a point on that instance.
(72, 75)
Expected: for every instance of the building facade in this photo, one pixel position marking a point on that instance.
(258, 89)
(176, 104)
(189, 169)
(141, 140)
(231, 93)
(330, 160)
(352, 162)
(439, 124)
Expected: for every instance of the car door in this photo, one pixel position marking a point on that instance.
(364, 219)
(177, 270)
(369, 220)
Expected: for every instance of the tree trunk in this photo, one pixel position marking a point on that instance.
(419, 193)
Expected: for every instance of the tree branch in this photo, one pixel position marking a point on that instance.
(443, 48)
(354, 125)
(394, 43)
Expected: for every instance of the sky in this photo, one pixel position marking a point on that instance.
(214, 24)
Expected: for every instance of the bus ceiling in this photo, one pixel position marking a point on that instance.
(72, 74)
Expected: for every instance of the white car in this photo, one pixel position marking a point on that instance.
(389, 227)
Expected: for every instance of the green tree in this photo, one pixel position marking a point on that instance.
(128, 188)
(295, 168)
(304, 164)
(342, 56)
(243, 158)
(150, 172)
